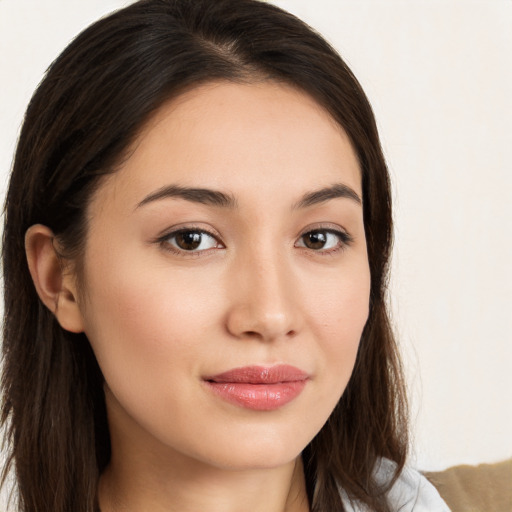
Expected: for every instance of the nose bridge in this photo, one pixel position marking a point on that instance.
(264, 300)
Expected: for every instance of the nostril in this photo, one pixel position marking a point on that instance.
(252, 334)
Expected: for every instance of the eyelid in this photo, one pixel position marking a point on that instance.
(193, 226)
(328, 226)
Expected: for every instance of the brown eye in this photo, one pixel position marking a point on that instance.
(187, 240)
(324, 240)
(315, 239)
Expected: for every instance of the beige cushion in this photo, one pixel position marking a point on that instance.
(483, 488)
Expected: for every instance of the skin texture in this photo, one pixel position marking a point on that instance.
(161, 319)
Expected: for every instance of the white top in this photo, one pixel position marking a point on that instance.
(411, 492)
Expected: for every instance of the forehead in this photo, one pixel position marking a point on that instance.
(265, 137)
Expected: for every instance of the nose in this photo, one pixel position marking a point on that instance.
(264, 300)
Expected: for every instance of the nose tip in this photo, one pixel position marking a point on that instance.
(264, 304)
(248, 321)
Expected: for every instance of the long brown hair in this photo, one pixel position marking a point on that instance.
(90, 106)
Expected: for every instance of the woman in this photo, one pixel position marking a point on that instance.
(197, 232)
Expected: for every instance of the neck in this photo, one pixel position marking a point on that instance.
(190, 487)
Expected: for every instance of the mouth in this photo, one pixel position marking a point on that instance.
(257, 387)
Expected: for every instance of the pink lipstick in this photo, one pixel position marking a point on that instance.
(257, 387)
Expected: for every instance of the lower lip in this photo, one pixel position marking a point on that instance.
(258, 397)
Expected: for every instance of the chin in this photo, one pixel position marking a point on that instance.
(255, 459)
(249, 452)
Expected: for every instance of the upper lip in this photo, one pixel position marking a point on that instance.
(260, 375)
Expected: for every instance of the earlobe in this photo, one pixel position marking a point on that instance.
(56, 287)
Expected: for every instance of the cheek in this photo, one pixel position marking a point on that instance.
(141, 310)
(146, 331)
(138, 318)
(339, 313)
(340, 305)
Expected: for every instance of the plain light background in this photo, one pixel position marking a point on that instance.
(439, 76)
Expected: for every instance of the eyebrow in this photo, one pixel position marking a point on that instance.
(339, 190)
(224, 200)
(196, 195)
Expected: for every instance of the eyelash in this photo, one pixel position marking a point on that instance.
(345, 240)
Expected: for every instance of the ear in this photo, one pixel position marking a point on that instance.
(55, 286)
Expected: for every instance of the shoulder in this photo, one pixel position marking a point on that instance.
(411, 492)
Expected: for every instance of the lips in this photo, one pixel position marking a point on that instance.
(257, 387)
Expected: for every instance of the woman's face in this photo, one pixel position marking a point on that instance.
(226, 277)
